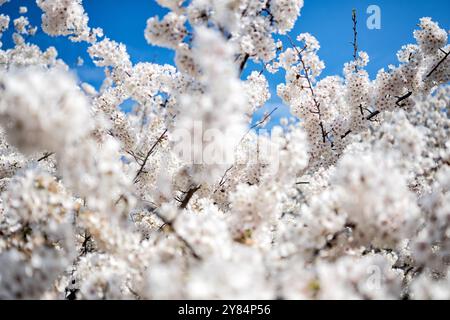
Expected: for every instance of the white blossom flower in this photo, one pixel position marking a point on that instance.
(193, 193)
(35, 106)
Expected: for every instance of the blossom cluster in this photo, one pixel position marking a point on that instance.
(181, 198)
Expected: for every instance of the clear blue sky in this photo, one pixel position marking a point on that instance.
(328, 20)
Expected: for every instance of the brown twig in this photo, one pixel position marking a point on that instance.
(310, 87)
(45, 156)
(267, 116)
(85, 245)
(170, 224)
(355, 38)
(149, 153)
(223, 180)
(260, 122)
(189, 194)
(136, 157)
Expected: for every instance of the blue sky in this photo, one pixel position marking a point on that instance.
(328, 20)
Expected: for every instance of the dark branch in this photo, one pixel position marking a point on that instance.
(310, 87)
(45, 156)
(170, 224)
(355, 38)
(149, 153)
(243, 63)
(346, 134)
(137, 158)
(402, 98)
(188, 196)
(446, 54)
(373, 115)
(223, 180)
(85, 246)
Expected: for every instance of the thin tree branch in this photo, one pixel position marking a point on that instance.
(373, 115)
(355, 38)
(85, 245)
(170, 224)
(223, 180)
(346, 134)
(149, 153)
(243, 63)
(446, 54)
(45, 156)
(134, 293)
(267, 116)
(310, 87)
(402, 98)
